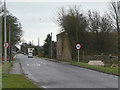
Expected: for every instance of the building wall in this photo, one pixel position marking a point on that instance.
(63, 49)
(59, 46)
(66, 50)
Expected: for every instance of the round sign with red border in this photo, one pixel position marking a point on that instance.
(78, 46)
(6, 45)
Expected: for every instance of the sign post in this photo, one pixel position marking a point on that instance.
(78, 56)
(78, 46)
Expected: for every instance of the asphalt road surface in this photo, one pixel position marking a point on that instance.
(51, 74)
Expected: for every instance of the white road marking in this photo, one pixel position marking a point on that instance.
(44, 87)
(38, 64)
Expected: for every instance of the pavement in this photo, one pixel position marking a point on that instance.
(49, 74)
(16, 68)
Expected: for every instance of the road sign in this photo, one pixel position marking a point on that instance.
(78, 46)
(6, 45)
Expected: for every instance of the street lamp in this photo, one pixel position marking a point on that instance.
(5, 41)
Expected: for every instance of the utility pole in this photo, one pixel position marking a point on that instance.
(9, 43)
(38, 42)
(5, 41)
(38, 46)
(119, 13)
(32, 42)
(51, 45)
(1, 48)
(1, 8)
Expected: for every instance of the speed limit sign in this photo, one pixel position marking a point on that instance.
(6, 45)
(78, 46)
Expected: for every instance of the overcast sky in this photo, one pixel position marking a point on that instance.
(39, 18)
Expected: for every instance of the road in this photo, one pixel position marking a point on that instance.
(51, 74)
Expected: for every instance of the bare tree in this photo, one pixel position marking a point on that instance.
(94, 21)
(115, 13)
(100, 26)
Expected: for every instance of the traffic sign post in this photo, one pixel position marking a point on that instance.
(78, 46)
(78, 56)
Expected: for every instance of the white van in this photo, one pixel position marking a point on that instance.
(30, 52)
(30, 55)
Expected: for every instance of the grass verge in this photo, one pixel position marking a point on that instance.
(15, 81)
(109, 70)
(44, 58)
(9, 64)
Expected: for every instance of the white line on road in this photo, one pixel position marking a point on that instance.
(38, 64)
(44, 87)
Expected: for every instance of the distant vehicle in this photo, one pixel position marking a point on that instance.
(30, 55)
(24, 53)
(30, 52)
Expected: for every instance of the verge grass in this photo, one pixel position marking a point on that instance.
(109, 70)
(15, 81)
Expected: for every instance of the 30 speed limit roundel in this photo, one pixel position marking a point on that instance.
(78, 46)
(6, 45)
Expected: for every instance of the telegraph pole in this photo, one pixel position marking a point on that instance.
(9, 43)
(0, 52)
(32, 42)
(38, 47)
(1, 45)
(51, 45)
(38, 42)
(5, 41)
